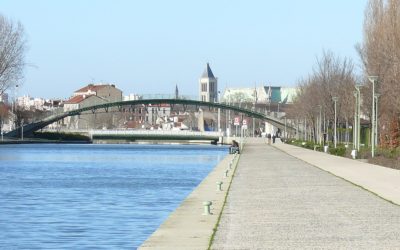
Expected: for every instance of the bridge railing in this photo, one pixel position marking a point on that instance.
(168, 96)
(155, 132)
(141, 132)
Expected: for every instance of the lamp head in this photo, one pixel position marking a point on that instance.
(373, 79)
(359, 84)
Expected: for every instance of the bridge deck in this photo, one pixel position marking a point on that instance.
(279, 201)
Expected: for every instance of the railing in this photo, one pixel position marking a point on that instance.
(142, 132)
(168, 96)
(155, 132)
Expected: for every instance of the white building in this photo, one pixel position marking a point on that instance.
(208, 86)
(27, 103)
(132, 97)
(262, 94)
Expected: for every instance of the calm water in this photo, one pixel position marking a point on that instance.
(94, 196)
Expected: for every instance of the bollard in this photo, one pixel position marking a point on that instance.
(230, 165)
(354, 153)
(207, 205)
(219, 185)
(226, 173)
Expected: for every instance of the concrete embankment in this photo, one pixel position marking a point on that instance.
(187, 227)
(40, 141)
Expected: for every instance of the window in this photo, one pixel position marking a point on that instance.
(204, 87)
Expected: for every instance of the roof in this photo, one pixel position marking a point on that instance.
(75, 99)
(92, 87)
(207, 72)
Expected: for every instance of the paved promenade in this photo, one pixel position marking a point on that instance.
(277, 201)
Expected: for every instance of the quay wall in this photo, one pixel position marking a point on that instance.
(187, 227)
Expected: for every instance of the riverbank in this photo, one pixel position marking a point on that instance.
(188, 227)
(42, 141)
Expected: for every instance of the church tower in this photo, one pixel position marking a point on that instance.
(208, 86)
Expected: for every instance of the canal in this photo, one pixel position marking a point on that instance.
(58, 196)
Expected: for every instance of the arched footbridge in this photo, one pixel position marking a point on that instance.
(28, 129)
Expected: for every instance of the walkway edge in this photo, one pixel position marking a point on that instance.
(381, 181)
(187, 227)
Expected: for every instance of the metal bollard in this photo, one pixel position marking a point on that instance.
(219, 185)
(226, 173)
(207, 205)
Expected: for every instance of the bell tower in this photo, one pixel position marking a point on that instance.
(208, 86)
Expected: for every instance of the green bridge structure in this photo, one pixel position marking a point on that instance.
(28, 129)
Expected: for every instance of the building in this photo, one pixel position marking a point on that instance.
(132, 97)
(208, 86)
(106, 91)
(260, 95)
(89, 96)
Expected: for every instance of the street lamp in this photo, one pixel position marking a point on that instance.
(335, 99)
(358, 86)
(373, 80)
(355, 134)
(219, 113)
(377, 95)
(229, 113)
(319, 125)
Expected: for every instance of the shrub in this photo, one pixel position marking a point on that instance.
(339, 151)
(61, 136)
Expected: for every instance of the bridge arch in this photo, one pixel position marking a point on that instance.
(30, 128)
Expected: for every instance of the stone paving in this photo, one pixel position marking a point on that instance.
(277, 201)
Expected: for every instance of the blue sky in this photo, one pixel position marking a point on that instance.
(150, 46)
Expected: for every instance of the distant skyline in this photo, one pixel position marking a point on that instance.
(149, 47)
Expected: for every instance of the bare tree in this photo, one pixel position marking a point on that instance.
(332, 76)
(12, 53)
(380, 55)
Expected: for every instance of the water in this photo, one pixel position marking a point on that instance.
(94, 196)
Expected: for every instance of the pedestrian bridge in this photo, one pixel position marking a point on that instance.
(28, 129)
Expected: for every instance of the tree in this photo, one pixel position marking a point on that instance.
(3, 114)
(332, 76)
(12, 53)
(380, 55)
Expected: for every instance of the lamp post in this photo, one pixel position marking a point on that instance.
(358, 107)
(377, 95)
(219, 113)
(229, 114)
(335, 99)
(373, 80)
(319, 125)
(355, 134)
